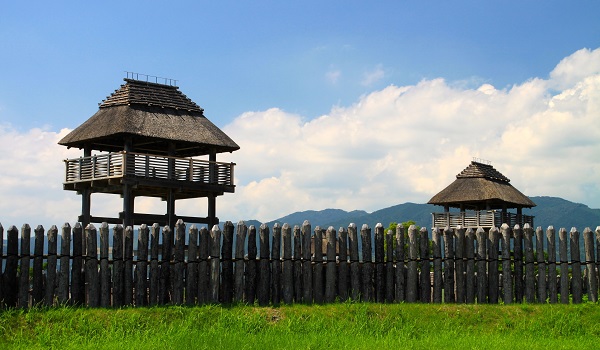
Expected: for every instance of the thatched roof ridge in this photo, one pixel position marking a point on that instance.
(478, 186)
(153, 114)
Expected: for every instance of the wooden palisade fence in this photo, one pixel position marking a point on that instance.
(453, 265)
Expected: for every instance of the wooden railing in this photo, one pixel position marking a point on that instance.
(120, 164)
(488, 219)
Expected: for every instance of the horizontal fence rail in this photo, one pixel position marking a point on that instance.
(124, 164)
(475, 219)
(99, 267)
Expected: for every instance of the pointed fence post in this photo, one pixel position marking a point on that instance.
(564, 266)
(471, 282)
(287, 290)
(203, 267)
(164, 284)
(77, 278)
(576, 282)
(227, 264)
(154, 267)
(425, 282)
(389, 266)
(191, 279)
(355, 279)
(215, 264)
(24, 266)
(264, 270)
(541, 263)
(529, 264)
(141, 285)
(552, 287)
(412, 275)
(379, 268)
(460, 264)
(128, 264)
(449, 265)
(178, 266)
(276, 264)
(1, 264)
(436, 245)
(297, 259)
(400, 292)
(91, 267)
(38, 260)
(367, 265)
(331, 269)
(307, 283)
(318, 267)
(240, 241)
(104, 266)
(251, 267)
(482, 279)
(506, 272)
(518, 247)
(597, 232)
(51, 272)
(343, 265)
(65, 255)
(11, 283)
(590, 261)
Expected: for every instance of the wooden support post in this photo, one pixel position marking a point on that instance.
(576, 282)
(297, 256)
(342, 277)
(65, 254)
(24, 266)
(178, 267)
(91, 267)
(318, 266)
(413, 274)
(518, 266)
(529, 264)
(367, 265)
(307, 283)
(552, 286)
(330, 273)
(471, 282)
(240, 241)
(104, 266)
(128, 263)
(11, 283)
(77, 278)
(436, 244)
(541, 263)
(38, 260)
(482, 285)
(264, 270)
(506, 272)
(215, 264)
(164, 284)
(191, 287)
(389, 266)
(154, 267)
(425, 277)
(590, 262)
(276, 265)
(400, 268)
(51, 271)
(379, 267)
(449, 265)
(564, 266)
(227, 263)
(250, 278)
(203, 268)
(141, 285)
(354, 263)
(287, 290)
(459, 233)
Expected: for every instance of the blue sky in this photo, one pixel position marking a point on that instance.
(311, 66)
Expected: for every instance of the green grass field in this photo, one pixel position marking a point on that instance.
(339, 326)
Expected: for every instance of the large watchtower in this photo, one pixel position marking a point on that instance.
(149, 136)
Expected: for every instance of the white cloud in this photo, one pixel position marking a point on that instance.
(373, 76)
(333, 76)
(394, 145)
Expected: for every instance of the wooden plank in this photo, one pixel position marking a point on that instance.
(203, 267)
(91, 267)
(331, 268)
(178, 266)
(276, 265)
(77, 280)
(11, 283)
(287, 281)
(482, 286)
(128, 266)
(425, 276)
(215, 265)
(436, 245)
(400, 267)
(564, 266)
(191, 287)
(412, 273)
(118, 266)
(51, 281)
(389, 266)
(23, 296)
(461, 293)
(65, 254)
(164, 283)
(38, 260)
(141, 285)
(529, 264)
(470, 282)
(379, 267)
(105, 294)
(264, 269)
(297, 260)
(250, 278)
(318, 266)
(518, 266)
(154, 266)
(367, 265)
(354, 263)
(240, 241)
(493, 263)
(449, 296)
(552, 285)
(227, 264)
(541, 264)
(307, 283)
(592, 279)
(343, 270)
(506, 268)
(576, 282)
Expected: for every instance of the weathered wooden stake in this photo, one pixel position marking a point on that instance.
(529, 264)
(240, 241)
(164, 284)
(65, 254)
(24, 266)
(482, 286)
(51, 282)
(1, 264)
(367, 266)
(191, 288)
(564, 266)
(330, 273)
(250, 279)
(91, 267)
(449, 265)
(471, 282)
(11, 283)
(507, 284)
(77, 278)
(552, 287)
(38, 259)
(297, 256)
(287, 291)
(215, 264)
(227, 264)
(318, 266)
(598, 253)
(154, 267)
(307, 290)
(460, 264)
(141, 283)
(178, 266)
(379, 267)
(425, 280)
(412, 277)
(541, 262)
(518, 266)
(128, 262)
(493, 274)
(436, 245)
(104, 266)
(355, 280)
(264, 271)
(400, 268)
(203, 267)
(276, 265)
(590, 262)
(576, 282)
(343, 265)
(389, 266)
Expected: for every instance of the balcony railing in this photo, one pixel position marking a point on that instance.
(139, 165)
(484, 219)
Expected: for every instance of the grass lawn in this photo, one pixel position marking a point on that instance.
(332, 326)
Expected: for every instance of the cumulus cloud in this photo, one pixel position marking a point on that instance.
(394, 145)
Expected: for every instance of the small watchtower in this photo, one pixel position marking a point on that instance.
(149, 135)
(483, 195)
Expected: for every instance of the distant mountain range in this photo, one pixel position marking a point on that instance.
(553, 211)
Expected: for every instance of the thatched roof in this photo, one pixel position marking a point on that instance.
(153, 115)
(479, 186)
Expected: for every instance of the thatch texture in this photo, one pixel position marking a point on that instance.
(480, 186)
(153, 115)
